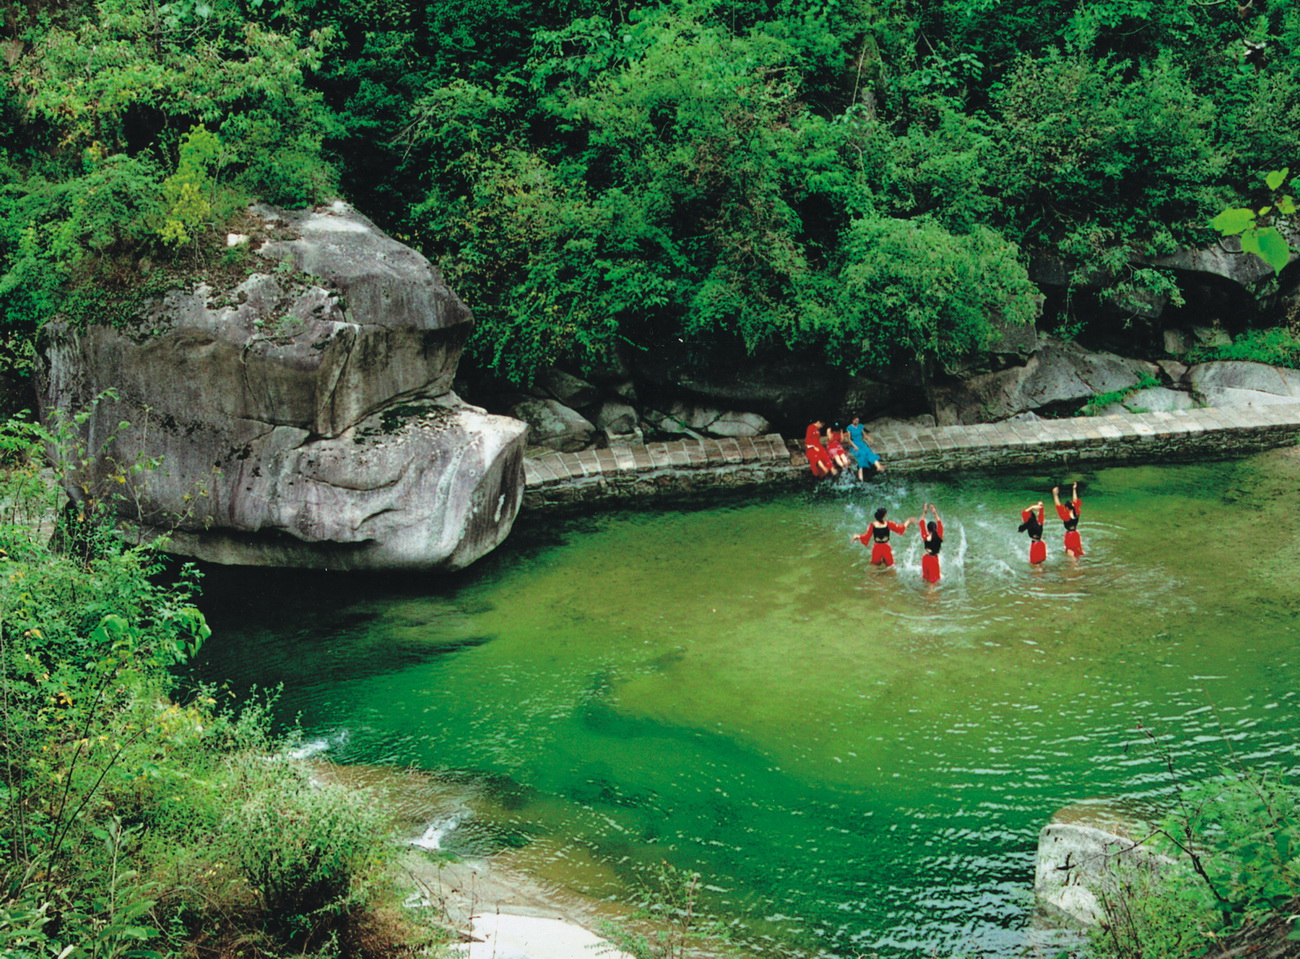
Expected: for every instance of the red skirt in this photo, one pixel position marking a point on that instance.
(882, 553)
(1037, 552)
(819, 461)
(1072, 542)
(930, 568)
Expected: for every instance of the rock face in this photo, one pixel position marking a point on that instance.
(1239, 383)
(1059, 373)
(303, 415)
(1157, 399)
(695, 419)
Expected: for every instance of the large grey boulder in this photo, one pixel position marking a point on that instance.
(554, 425)
(1240, 383)
(1223, 259)
(1058, 375)
(617, 419)
(567, 388)
(303, 414)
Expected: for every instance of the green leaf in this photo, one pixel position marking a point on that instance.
(1234, 221)
(1286, 205)
(1273, 248)
(1276, 178)
(1294, 933)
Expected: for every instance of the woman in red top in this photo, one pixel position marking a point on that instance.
(1069, 513)
(877, 535)
(932, 537)
(819, 461)
(1031, 522)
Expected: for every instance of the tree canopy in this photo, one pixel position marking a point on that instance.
(865, 177)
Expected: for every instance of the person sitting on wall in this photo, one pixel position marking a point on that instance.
(819, 461)
(864, 454)
(835, 446)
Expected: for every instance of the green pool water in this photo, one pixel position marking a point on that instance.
(857, 762)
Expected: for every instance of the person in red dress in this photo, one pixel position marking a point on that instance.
(877, 536)
(932, 538)
(1069, 514)
(1031, 522)
(835, 446)
(819, 461)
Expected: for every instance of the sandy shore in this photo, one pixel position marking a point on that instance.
(502, 910)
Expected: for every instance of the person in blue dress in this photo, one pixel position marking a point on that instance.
(866, 456)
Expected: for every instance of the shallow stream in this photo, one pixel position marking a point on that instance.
(857, 762)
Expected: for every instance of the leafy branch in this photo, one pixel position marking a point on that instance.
(1260, 228)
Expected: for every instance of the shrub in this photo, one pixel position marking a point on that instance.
(1237, 842)
(307, 849)
(1277, 347)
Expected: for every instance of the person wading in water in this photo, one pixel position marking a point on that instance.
(877, 536)
(932, 537)
(1031, 522)
(1069, 514)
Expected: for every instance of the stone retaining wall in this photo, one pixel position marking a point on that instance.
(658, 470)
(633, 473)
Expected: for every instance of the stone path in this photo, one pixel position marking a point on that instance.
(631, 473)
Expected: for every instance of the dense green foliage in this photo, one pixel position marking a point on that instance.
(128, 126)
(1235, 843)
(864, 177)
(136, 819)
(1276, 347)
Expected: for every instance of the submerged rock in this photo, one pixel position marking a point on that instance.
(302, 416)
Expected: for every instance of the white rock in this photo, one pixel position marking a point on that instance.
(1081, 853)
(504, 936)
